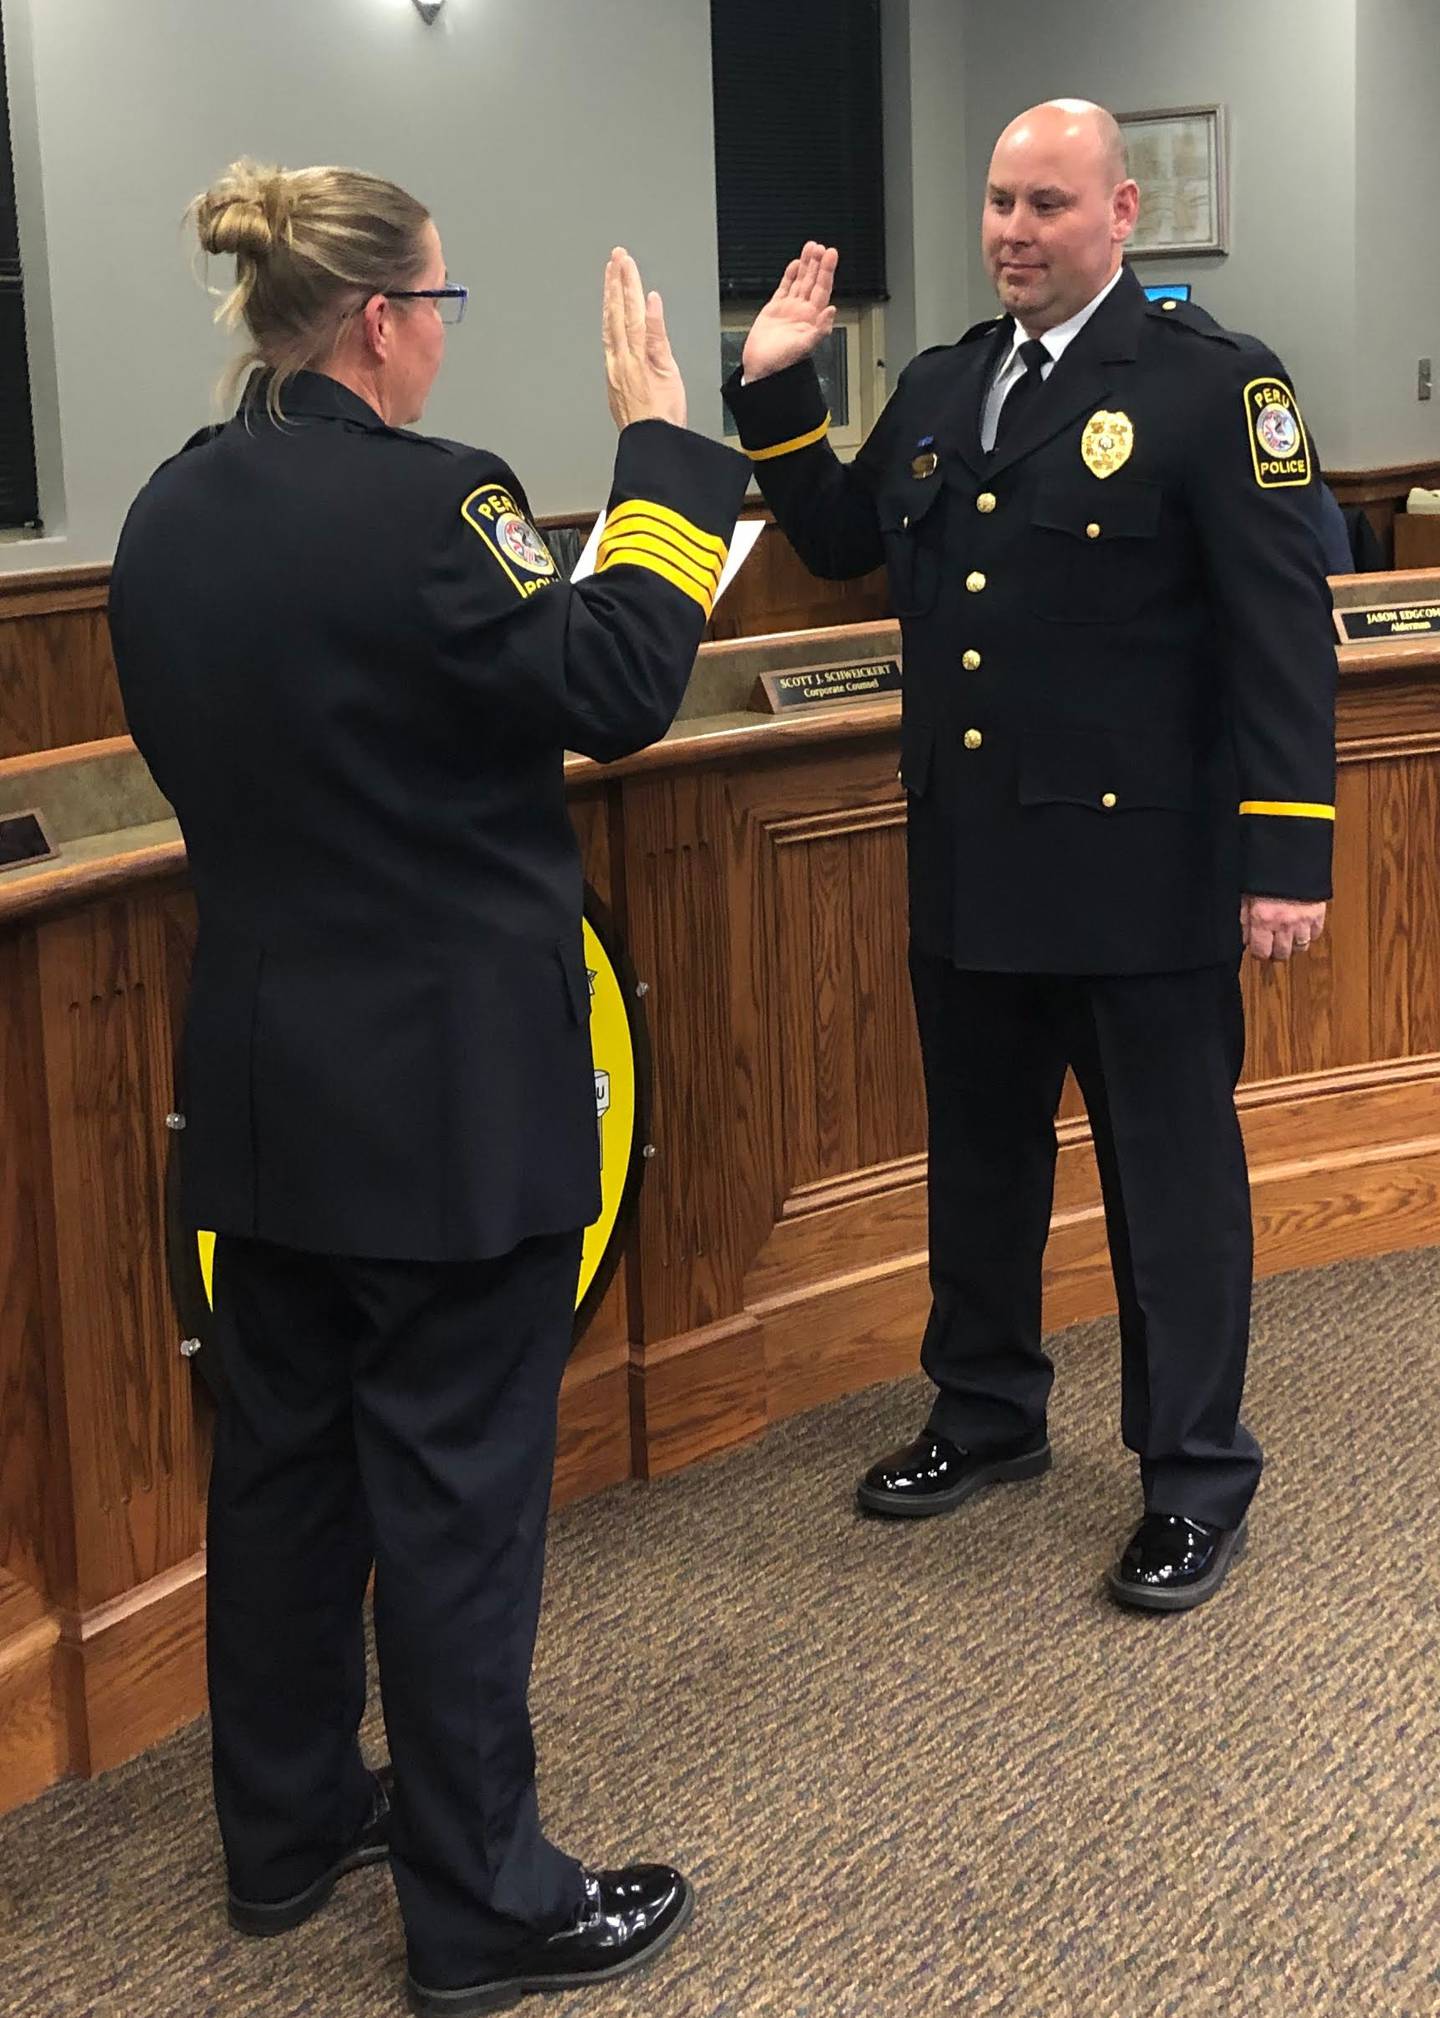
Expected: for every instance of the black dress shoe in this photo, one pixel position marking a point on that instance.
(932, 1474)
(371, 1846)
(627, 1917)
(1173, 1563)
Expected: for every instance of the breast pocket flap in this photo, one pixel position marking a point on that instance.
(1099, 511)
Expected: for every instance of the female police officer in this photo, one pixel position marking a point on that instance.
(348, 658)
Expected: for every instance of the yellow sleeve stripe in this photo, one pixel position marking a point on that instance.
(1288, 809)
(612, 551)
(789, 447)
(637, 557)
(659, 518)
(699, 559)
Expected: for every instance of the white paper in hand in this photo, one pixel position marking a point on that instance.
(742, 545)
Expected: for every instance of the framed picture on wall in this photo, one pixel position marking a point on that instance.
(1178, 159)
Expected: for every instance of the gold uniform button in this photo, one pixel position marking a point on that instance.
(1109, 801)
(986, 501)
(971, 662)
(1092, 531)
(1167, 307)
(975, 583)
(973, 739)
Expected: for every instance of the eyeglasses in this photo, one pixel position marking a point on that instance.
(449, 301)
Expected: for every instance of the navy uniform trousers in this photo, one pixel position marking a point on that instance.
(1157, 1057)
(401, 1412)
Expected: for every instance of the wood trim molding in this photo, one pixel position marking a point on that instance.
(41, 592)
(1369, 486)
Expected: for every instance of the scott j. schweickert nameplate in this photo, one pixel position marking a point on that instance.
(804, 688)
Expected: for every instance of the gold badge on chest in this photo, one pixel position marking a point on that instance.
(1106, 443)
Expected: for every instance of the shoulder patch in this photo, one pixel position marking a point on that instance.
(509, 537)
(1279, 447)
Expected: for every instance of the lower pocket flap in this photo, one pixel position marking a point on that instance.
(1072, 768)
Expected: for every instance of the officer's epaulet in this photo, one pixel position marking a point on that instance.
(1189, 315)
(985, 328)
(200, 437)
(451, 448)
(197, 440)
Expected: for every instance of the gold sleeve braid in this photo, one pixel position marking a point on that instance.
(1288, 809)
(789, 447)
(639, 534)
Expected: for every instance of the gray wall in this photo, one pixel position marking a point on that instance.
(1398, 271)
(1286, 70)
(930, 219)
(533, 132)
(541, 134)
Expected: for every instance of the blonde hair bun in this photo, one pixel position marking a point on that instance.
(247, 211)
(309, 244)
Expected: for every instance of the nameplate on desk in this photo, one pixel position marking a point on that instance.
(778, 691)
(1389, 620)
(22, 839)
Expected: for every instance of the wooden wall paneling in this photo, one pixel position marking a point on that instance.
(1327, 993)
(788, 1007)
(846, 1334)
(1404, 895)
(108, 1061)
(57, 672)
(889, 1085)
(27, 1466)
(837, 1026)
(1382, 492)
(135, 1668)
(827, 991)
(1072, 1104)
(1417, 540)
(1314, 1011)
(882, 1223)
(775, 591)
(681, 940)
(696, 1378)
(34, 1740)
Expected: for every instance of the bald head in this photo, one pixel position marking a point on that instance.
(1084, 131)
(1059, 206)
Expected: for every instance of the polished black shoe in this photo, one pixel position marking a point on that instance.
(1172, 1563)
(371, 1846)
(627, 1917)
(932, 1475)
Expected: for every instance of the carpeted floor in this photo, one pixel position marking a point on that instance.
(920, 1768)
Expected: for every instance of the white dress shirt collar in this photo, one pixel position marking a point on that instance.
(1012, 369)
(1058, 340)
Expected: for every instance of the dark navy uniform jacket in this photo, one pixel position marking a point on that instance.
(1119, 659)
(350, 662)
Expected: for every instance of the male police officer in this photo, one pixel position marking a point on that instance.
(1098, 517)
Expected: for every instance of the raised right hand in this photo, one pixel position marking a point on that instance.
(798, 316)
(642, 376)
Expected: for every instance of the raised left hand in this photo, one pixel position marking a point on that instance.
(642, 376)
(1275, 927)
